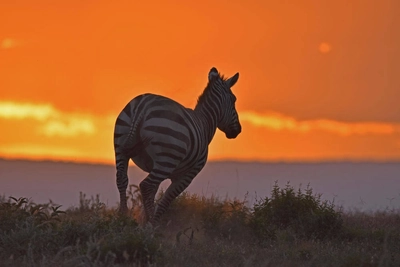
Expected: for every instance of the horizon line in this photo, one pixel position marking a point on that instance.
(227, 160)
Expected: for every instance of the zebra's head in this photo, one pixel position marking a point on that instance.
(229, 118)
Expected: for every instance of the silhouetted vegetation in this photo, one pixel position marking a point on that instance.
(301, 212)
(288, 228)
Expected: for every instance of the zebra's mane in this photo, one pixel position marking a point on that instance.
(202, 98)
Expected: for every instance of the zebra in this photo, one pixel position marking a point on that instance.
(168, 140)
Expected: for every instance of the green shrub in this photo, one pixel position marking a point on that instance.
(301, 212)
(33, 235)
(199, 231)
(229, 219)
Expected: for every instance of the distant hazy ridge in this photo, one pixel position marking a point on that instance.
(365, 186)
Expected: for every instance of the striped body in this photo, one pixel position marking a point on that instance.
(167, 140)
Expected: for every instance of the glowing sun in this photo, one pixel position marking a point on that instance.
(325, 48)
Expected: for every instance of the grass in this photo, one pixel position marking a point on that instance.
(289, 228)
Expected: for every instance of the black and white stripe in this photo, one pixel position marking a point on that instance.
(167, 140)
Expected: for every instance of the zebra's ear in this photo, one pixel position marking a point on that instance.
(232, 80)
(212, 74)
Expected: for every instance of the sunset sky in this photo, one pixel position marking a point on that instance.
(319, 80)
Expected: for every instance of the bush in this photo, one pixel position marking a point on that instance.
(199, 231)
(89, 235)
(215, 216)
(305, 214)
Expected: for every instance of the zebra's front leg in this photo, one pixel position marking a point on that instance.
(175, 188)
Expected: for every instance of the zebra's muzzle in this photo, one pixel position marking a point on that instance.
(233, 133)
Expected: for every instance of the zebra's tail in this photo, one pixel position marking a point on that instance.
(126, 141)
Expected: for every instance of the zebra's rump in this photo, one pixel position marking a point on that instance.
(155, 130)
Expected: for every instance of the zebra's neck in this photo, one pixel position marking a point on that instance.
(208, 110)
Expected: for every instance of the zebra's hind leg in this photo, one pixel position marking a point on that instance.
(148, 189)
(175, 188)
(122, 182)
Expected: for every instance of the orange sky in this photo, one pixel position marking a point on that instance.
(319, 80)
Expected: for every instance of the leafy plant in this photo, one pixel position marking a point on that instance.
(302, 212)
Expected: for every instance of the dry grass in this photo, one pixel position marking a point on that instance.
(195, 231)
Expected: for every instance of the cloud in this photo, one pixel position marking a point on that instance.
(43, 131)
(359, 128)
(51, 122)
(13, 110)
(36, 150)
(273, 121)
(279, 122)
(69, 127)
(8, 43)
